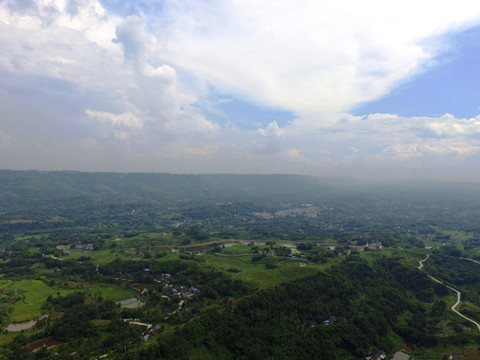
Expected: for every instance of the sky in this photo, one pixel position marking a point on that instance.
(371, 89)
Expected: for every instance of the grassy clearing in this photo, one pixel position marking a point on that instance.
(151, 239)
(225, 262)
(30, 295)
(5, 339)
(237, 249)
(34, 294)
(109, 292)
(255, 274)
(98, 257)
(458, 235)
(102, 257)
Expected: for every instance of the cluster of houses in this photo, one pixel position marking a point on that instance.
(263, 251)
(152, 331)
(80, 246)
(185, 292)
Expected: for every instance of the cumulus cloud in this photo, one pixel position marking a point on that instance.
(138, 45)
(110, 62)
(272, 130)
(128, 120)
(448, 125)
(269, 140)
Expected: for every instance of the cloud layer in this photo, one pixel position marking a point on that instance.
(87, 88)
(308, 56)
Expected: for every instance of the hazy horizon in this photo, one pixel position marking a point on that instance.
(242, 87)
(343, 179)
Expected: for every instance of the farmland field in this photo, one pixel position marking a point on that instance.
(33, 294)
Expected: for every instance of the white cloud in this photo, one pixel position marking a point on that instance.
(295, 155)
(388, 135)
(44, 41)
(139, 46)
(448, 125)
(110, 62)
(268, 141)
(128, 120)
(434, 147)
(308, 56)
(272, 130)
(123, 90)
(405, 151)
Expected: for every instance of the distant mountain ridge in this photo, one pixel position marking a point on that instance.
(48, 185)
(154, 186)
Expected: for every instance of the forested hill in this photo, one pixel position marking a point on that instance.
(56, 185)
(38, 185)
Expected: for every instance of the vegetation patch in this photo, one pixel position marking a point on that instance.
(34, 293)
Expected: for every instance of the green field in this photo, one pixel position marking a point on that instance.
(237, 249)
(33, 295)
(111, 292)
(30, 295)
(255, 274)
(98, 257)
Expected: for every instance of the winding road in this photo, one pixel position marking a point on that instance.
(459, 294)
(475, 261)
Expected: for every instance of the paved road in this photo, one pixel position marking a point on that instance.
(475, 261)
(459, 294)
(174, 311)
(422, 261)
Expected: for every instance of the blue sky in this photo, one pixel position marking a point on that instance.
(245, 114)
(451, 86)
(367, 89)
